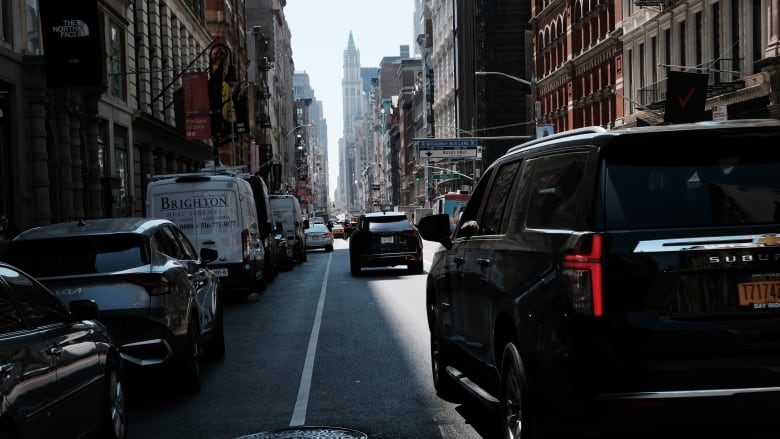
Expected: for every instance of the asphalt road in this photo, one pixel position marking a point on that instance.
(322, 350)
(319, 348)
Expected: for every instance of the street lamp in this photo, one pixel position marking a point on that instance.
(295, 128)
(514, 78)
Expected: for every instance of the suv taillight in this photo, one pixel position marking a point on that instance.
(582, 274)
(245, 246)
(156, 284)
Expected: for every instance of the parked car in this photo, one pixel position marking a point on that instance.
(286, 210)
(338, 231)
(157, 296)
(318, 236)
(385, 239)
(265, 218)
(61, 372)
(615, 279)
(285, 255)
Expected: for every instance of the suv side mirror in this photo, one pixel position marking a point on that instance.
(436, 228)
(279, 228)
(305, 224)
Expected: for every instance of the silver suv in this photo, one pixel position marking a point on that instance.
(156, 295)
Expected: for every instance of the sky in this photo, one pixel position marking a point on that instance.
(319, 30)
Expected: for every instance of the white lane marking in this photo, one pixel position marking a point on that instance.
(301, 404)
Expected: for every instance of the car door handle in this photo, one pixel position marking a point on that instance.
(54, 350)
(209, 242)
(459, 260)
(483, 262)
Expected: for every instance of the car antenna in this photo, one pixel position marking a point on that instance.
(81, 223)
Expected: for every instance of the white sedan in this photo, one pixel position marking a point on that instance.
(319, 236)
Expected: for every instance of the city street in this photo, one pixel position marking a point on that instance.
(319, 348)
(322, 348)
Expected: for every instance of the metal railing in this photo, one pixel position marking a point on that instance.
(724, 76)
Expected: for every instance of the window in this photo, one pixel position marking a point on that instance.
(117, 58)
(554, 191)
(490, 223)
(6, 22)
(121, 168)
(33, 28)
(39, 307)
(188, 250)
(470, 211)
(10, 319)
(682, 43)
(390, 223)
(724, 187)
(80, 255)
(165, 243)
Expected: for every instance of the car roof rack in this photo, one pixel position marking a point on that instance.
(568, 133)
(233, 171)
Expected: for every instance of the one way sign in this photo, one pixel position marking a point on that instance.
(686, 94)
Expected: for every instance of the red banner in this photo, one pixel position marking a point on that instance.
(197, 120)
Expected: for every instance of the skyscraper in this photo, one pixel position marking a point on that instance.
(353, 108)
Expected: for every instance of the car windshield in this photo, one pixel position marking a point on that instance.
(80, 255)
(394, 223)
(317, 228)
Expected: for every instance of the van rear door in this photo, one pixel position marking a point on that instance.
(205, 209)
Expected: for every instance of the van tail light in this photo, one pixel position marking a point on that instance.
(410, 233)
(155, 283)
(582, 274)
(245, 246)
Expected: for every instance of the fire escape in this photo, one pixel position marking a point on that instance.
(262, 113)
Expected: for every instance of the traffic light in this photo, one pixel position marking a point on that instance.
(418, 174)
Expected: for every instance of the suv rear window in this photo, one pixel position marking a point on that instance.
(393, 223)
(724, 184)
(81, 255)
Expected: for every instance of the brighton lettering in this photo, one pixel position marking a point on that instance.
(192, 203)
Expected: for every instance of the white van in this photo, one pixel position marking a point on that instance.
(215, 209)
(287, 210)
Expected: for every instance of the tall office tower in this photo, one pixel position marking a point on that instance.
(353, 103)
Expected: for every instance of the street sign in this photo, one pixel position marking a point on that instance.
(445, 176)
(447, 143)
(447, 148)
(447, 153)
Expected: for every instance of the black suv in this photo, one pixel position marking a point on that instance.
(606, 279)
(385, 239)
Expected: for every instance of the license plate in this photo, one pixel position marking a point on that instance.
(759, 294)
(387, 240)
(221, 272)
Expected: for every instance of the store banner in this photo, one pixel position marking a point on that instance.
(72, 43)
(197, 119)
(686, 94)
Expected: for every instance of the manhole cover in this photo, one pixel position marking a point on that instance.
(309, 433)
